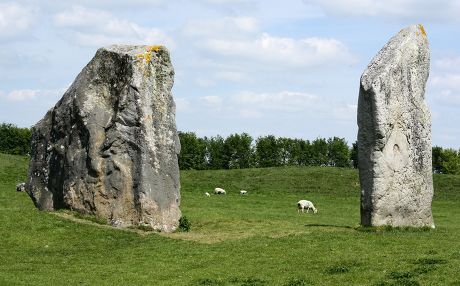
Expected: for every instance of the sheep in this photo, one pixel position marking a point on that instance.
(243, 192)
(219, 191)
(304, 204)
(207, 194)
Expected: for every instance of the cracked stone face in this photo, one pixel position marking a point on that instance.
(109, 146)
(394, 137)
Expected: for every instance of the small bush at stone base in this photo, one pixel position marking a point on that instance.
(184, 224)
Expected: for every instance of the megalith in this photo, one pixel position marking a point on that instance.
(394, 137)
(109, 146)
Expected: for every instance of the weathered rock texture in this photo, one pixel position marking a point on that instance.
(109, 147)
(394, 138)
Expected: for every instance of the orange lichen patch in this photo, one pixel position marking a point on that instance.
(147, 56)
(422, 30)
(155, 48)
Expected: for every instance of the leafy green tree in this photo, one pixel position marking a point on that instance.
(14, 140)
(306, 155)
(216, 153)
(193, 152)
(237, 151)
(437, 159)
(267, 152)
(319, 150)
(450, 162)
(290, 151)
(338, 152)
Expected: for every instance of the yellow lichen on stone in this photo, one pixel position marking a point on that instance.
(155, 48)
(422, 30)
(147, 56)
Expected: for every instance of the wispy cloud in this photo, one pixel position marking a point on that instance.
(226, 27)
(441, 10)
(212, 101)
(448, 63)
(445, 81)
(449, 97)
(16, 19)
(241, 40)
(182, 104)
(289, 52)
(21, 95)
(90, 27)
(287, 101)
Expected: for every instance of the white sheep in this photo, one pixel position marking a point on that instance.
(207, 194)
(304, 204)
(243, 192)
(219, 191)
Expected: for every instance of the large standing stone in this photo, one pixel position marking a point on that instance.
(109, 147)
(394, 138)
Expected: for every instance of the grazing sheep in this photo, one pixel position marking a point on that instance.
(243, 192)
(207, 194)
(304, 204)
(219, 191)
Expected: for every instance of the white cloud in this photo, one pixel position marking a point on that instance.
(205, 82)
(231, 76)
(441, 10)
(98, 28)
(231, 6)
(447, 86)
(344, 112)
(287, 52)
(15, 19)
(123, 4)
(451, 63)
(250, 113)
(258, 105)
(286, 101)
(239, 41)
(20, 95)
(448, 97)
(182, 104)
(362, 7)
(447, 81)
(226, 27)
(212, 101)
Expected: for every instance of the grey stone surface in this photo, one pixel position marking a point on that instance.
(109, 146)
(394, 137)
(21, 187)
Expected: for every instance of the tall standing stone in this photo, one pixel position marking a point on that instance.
(394, 137)
(109, 146)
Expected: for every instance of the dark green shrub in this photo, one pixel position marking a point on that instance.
(184, 224)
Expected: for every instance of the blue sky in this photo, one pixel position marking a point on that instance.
(288, 68)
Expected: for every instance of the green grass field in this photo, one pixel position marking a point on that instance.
(258, 239)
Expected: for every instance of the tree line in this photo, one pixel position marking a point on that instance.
(238, 151)
(14, 140)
